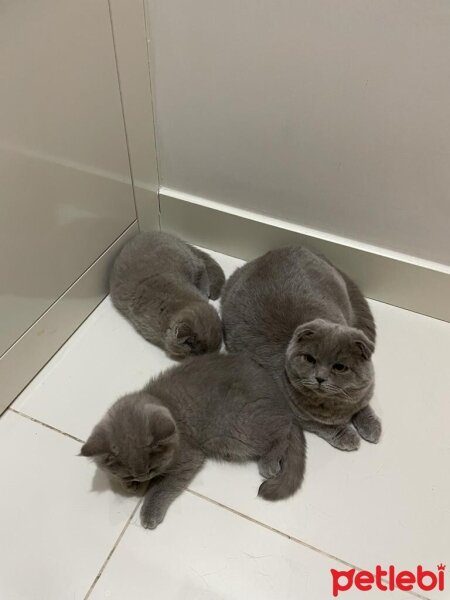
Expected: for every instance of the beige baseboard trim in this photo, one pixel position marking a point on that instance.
(39, 343)
(405, 281)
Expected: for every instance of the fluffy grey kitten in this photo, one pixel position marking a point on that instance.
(309, 325)
(162, 285)
(216, 406)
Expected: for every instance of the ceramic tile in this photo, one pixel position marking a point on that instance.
(58, 516)
(203, 552)
(386, 503)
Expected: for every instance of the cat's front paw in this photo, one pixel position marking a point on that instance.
(369, 427)
(151, 517)
(346, 439)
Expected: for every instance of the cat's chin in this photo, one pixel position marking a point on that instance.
(318, 394)
(133, 487)
(179, 352)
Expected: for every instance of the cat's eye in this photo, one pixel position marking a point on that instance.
(340, 367)
(309, 358)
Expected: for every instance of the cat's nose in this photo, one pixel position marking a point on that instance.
(320, 380)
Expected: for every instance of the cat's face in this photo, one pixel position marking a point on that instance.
(326, 360)
(195, 330)
(134, 442)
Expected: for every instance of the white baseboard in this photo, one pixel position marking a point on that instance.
(405, 281)
(39, 343)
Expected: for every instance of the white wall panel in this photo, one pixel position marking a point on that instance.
(332, 115)
(66, 190)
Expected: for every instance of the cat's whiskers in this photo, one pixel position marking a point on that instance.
(307, 382)
(336, 389)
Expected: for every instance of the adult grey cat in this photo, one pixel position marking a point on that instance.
(215, 406)
(309, 325)
(162, 285)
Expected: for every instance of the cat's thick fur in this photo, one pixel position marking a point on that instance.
(309, 325)
(218, 406)
(162, 285)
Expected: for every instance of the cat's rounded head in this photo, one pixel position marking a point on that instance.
(196, 329)
(324, 359)
(135, 441)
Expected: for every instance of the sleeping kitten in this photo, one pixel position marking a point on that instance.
(162, 285)
(215, 406)
(309, 325)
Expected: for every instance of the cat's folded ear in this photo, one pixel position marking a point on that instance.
(162, 425)
(308, 329)
(364, 346)
(96, 444)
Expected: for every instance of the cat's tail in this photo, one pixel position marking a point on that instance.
(215, 273)
(290, 477)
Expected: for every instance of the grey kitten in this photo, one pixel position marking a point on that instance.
(216, 406)
(162, 285)
(309, 325)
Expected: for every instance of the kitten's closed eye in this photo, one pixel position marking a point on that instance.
(309, 358)
(189, 342)
(111, 462)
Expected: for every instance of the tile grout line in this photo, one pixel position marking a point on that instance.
(287, 536)
(111, 552)
(25, 416)
(130, 518)
(282, 533)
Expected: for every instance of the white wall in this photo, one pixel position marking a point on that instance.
(325, 113)
(66, 203)
(65, 179)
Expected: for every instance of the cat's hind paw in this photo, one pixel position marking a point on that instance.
(269, 466)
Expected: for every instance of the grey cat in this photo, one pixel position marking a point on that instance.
(309, 325)
(162, 285)
(216, 406)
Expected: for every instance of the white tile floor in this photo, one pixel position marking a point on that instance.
(65, 535)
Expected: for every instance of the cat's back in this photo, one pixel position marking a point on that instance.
(223, 401)
(207, 382)
(266, 299)
(288, 271)
(153, 253)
